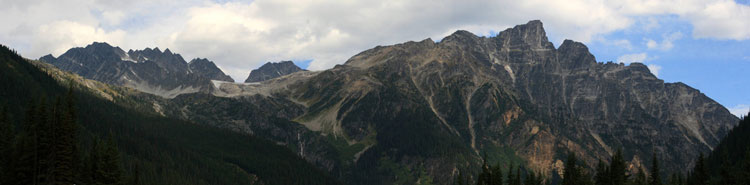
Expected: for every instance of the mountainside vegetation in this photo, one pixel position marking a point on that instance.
(47, 141)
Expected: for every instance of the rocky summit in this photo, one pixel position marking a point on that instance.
(150, 70)
(440, 106)
(272, 70)
(403, 113)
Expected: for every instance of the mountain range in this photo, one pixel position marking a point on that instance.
(415, 111)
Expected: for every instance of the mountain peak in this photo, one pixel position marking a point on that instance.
(208, 69)
(532, 34)
(272, 70)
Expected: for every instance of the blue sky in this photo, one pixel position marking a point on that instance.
(703, 43)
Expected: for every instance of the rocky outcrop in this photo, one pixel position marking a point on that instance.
(208, 69)
(510, 96)
(272, 70)
(150, 70)
(397, 114)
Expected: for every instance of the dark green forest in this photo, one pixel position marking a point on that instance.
(63, 134)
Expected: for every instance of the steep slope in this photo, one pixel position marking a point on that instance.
(162, 150)
(436, 107)
(208, 69)
(150, 70)
(272, 70)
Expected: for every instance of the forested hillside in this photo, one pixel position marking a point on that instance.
(45, 124)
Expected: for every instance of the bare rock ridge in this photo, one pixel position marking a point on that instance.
(472, 95)
(394, 114)
(150, 70)
(206, 68)
(272, 70)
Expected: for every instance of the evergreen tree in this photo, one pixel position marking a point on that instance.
(742, 173)
(460, 180)
(511, 177)
(676, 179)
(7, 140)
(517, 179)
(700, 173)
(484, 177)
(497, 175)
(571, 173)
(640, 178)
(617, 169)
(602, 174)
(65, 144)
(111, 166)
(655, 178)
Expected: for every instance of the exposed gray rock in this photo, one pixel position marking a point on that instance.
(208, 69)
(149, 70)
(272, 70)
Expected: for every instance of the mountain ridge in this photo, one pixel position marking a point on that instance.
(436, 106)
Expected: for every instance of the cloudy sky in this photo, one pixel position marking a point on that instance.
(703, 43)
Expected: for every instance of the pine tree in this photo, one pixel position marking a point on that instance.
(111, 166)
(7, 140)
(460, 180)
(517, 179)
(640, 178)
(571, 174)
(511, 177)
(65, 145)
(617, 169)
(497, 175)
(602, 174)
(700, 173)
(655, 178)
(484, 177)
(742, 173)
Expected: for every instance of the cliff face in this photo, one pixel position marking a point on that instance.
(421, 110)
(272, 70)
(150, 70)
(438, 106)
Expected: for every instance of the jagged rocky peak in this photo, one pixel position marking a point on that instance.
(272, 70)
(208, 69)
(531, 34)
(575, 55)
(149, 70)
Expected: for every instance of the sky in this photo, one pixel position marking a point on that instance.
(702, 43)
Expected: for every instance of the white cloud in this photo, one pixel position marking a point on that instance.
(630, 58)
(654, 69)
(623, 44)
(58, 37)
(740, 110)
(666, 42)
(241, 35)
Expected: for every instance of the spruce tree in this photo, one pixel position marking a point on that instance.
(700, 173)
(617, 169)
(655, 178)
(517, 179)
(497, 175)
(602, 174)
(65, 145)
(571, 174)
(7, 140)
(111, 165)
(640, 178)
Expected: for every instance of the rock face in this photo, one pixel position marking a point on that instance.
(150, 70)
(208, 69)
(423, 110)
(435, 107)
(272, 70)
